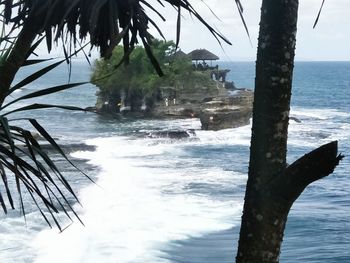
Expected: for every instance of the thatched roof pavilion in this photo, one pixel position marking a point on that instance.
(202, 54)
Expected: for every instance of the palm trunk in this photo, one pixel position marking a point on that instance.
(272, 187)
(17, 57)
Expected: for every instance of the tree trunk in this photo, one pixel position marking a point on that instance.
(272, 187)
(17, 56)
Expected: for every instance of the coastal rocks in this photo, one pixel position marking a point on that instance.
(217, 109)
(295, 119)
(217, 106)
(226, 112)
(224, 118)
(172, 134)
(183, 103)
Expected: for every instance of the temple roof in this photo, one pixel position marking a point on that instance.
(202, 54)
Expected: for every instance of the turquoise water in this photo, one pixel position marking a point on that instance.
(161, 200)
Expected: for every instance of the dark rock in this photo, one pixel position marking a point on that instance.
(225, 118)
(227, 111)
(68, 148)
(91, 109)
(172, 134)
(230, 85)
(219, 106)
(295, 119)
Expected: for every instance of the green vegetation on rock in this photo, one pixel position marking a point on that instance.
(137, 82)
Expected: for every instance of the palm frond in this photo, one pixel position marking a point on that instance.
(22, 155)
(319, 14)
(104, 21)
(26, 170)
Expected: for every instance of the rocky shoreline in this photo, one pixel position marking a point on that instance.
(217, 108)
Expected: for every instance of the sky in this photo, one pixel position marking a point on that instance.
(329, 41)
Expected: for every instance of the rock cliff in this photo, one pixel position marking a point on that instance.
(217, 107)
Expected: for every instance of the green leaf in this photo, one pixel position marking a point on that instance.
(2, 202)
(6, 129)
(34, 47)
(4, 179)
(29, 62)
(37, 106)
(44, 92)
(35, 76)
(318, 15)
(240, 11)
(47, 136)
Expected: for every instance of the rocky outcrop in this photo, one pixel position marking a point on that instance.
(217, 109)
(183, 103)
(225, 118)
(227, 112)
(172, 134)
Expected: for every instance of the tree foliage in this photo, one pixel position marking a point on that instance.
(139, 74)
(22, 154)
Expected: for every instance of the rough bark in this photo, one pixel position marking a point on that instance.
(265, 215)
(272, 187)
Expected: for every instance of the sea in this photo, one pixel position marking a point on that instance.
(162, 200)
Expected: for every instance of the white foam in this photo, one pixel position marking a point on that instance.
(317, 126)
(136, 210)
(236, 136)
(342, 133)
(143, 201)
(321, 114)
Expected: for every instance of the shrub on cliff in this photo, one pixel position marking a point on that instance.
(139, 76)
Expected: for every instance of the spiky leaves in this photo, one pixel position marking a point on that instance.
(25, 165)
(106, 22)
(26, 169)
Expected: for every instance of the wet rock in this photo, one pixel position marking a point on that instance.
(227, 111)
(172, 134)
(225, 118)
(295, 119)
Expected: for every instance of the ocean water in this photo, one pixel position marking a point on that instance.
(163, 200)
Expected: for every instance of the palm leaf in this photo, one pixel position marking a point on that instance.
(47, 136)
(23, 171)
(30, 62)
(240, 11)
(102, 21)
(318, 15)
(44, 92)
(38, 106)
(8, 192)
(35, 76)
